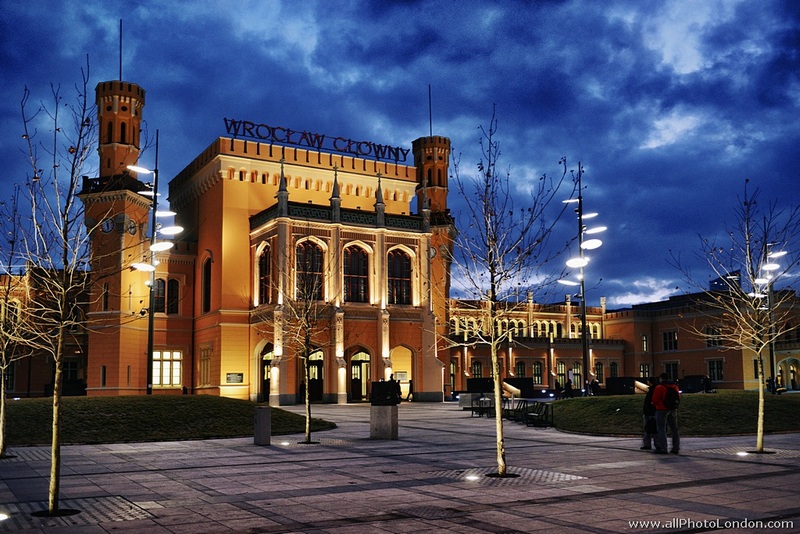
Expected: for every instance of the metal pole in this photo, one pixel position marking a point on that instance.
(584, 338)
(151, 307)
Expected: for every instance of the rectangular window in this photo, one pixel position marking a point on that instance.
(70, 370)
(713, 336)
(537, 372)
(102, 376)
(644, 370)
(167, 368)
(9, 376)
(105, 297)
(205, 366)
(715, 370)
(671, 368)
(598, 371)
(613, 370)
(670, 340)
(561, 373)
(644, 343)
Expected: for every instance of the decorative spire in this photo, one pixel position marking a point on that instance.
(336, 200)
(380, 205)
(282, 195)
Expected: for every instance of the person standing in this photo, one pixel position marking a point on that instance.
(410, 390)
(649, 427)
(666, 398)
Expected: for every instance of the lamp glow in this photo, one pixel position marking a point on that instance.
(577, 262)
(595, 230)
(170, 230)
(770, 267)
(140, 170)
(777, 254)
(591, 244)
(569, 282)
(146, 267)
(161, 246)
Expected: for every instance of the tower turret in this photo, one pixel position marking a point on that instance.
(119, 119)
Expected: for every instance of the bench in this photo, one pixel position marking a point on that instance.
(482, 406)
(539, 414)
(514, 409)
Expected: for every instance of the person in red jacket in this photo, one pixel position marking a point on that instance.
(666, 415)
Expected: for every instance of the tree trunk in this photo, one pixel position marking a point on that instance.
(760, 426)
(498, 413)
(55, 447)
(3, 412)
(307, 401)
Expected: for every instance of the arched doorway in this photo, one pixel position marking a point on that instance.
(267, 354)
(359, 376)
(403, 369)
(315, 381)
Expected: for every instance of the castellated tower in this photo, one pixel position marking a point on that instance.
(432, 158)
(119, 115)
(116, 216)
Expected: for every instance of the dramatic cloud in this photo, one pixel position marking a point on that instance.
(669, 105)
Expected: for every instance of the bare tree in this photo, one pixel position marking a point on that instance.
(742, 310)
(501, 247)
(13, 302)
(55, 242)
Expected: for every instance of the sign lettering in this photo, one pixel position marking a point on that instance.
(317, 141)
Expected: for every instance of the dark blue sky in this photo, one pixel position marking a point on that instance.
(669, 105)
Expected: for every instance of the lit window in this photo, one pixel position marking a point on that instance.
(263, 276)
(356, 275)
(309, 271)
(399, 274)
(167, 368)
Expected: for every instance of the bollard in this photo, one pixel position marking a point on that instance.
(263, 426)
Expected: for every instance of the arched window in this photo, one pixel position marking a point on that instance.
(263, 276)
(122, 132)
(309, 271)
(536, 371)
(519, 369)
(173, 295)
(159, 295)
(110, 133)
(399, 277)
(206, 295)
(477, 369)
(356, 275)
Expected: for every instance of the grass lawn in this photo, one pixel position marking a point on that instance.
(143, 418)
(163, 418)
(723, 413)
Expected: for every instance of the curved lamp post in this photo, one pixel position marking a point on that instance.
(580, 262)
(763, 287)
(155, 246)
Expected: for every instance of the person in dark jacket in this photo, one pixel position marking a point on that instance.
(666, 416)
(649, 428)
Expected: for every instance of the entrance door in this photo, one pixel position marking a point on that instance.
(266, 362)
(315, 382)
(359, 376)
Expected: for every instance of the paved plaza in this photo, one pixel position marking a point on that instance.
(431, 479)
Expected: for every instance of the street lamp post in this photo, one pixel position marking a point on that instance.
(155, 246)
(580, 263)
(766, 277)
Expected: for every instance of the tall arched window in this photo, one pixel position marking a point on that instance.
(399, 274)
(206, 295)
(536, 371)
(263, 276)
(477, 369)
(159, 295)
(173, 295)
(309, 271)
(110, 133)
(356, 275)
(122, 132)
(519, 369)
